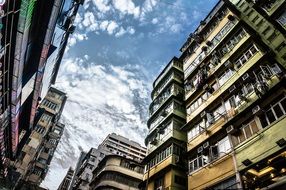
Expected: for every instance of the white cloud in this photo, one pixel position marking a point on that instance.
(154, 21)
(102, 5)
(127, 7)
(101, 100)
(130, 30)
(121, 32)
(103, 25)
(111, 27)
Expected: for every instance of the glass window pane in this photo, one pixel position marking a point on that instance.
(247, 131)
(283, 104)
(278, 111)
(253, 126)
(270, 116)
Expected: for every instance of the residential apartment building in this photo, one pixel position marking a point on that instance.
(65, 184)
(233, 76)
(33, 39)
(117, 172)
(165, 140)
(113, 144)
(36, 155)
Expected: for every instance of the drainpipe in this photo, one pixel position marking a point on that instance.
(237, 175)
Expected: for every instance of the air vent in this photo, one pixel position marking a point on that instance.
(231, 130)
(256, 110)
(206, 145)
(232, 88)
(203, 114)
(245, 77)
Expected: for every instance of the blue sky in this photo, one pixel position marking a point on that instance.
(117, 50)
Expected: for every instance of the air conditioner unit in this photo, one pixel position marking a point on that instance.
(231, 130)
(245, 77)
(200, 149)
(256, 109)
(227, 64)
(232, 88)
(206, 145)
(203, 113)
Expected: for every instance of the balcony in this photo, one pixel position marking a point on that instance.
(113, 185)
(252, 61)
(169, 110)
(116, 168)
(217, 126)
(222, 61)
(159, 89)
(171, 160)
(173, 64)
(212, 173)
(160, 101)
(251, 149)
(163, 138)
(216, 40)
(271, 6)
(251, 98)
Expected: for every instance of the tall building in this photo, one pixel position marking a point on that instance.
(165, 141)
(65, 184)
(117, 172)
(37, 153)
(233, 75)
(34, 34)
(113, 144)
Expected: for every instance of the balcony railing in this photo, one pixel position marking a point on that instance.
(214, 42)
(229, 82)
(174, 64)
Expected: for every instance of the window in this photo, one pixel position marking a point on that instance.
(245, 132)
(255, 19)
(246, 56)
(173, 149)
(196, 130)
(159, 183)
(282, 19)
(210, 154)
(272, 36)
(225, 76)
(275, 110)
(229, 45)
(223, 146)
(267, 29)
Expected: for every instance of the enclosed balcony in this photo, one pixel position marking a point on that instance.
(212, 173)
(174, 107)
(160, 135)
(173, 90)
(173, 76)
(227, 80)
(170, 160)
(225, 52)
(243, 97)
(175, 63)
(226, 25)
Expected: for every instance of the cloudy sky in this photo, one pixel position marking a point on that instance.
(117, 50)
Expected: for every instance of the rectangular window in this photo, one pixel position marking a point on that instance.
(245, 132)
(282, 19)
